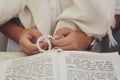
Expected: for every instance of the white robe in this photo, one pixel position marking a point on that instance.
(117, 7)
(94, 17)
(10, 9)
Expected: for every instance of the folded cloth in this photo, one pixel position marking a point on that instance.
(94, 17)
(10, 9)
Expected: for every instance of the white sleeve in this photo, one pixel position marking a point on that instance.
(9, 9)
(117, 7)
(94, 17)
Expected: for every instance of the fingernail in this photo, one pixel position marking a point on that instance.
(56, 36)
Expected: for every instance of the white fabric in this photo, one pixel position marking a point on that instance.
(46, 38)
(118, 7)
(12, 46)
(40, 13)
(55, 11)
(94, 17)
(9, 9)
(31, 16)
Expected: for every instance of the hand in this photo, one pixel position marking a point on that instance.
(27, 39)
(72, 40)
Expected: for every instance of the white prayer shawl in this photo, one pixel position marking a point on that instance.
(10, 9)
(41, 16)
(117, 7)
(94, 17)
(39, 13)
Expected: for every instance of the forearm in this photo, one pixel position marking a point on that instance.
(12, 31)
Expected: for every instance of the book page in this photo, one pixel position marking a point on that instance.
(79, 65)
(10, 55)
(36, 67)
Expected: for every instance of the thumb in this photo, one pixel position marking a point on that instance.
(35, 33)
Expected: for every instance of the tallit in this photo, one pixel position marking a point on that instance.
(10, 9)
(94, 17)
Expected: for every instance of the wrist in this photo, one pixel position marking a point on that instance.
(92, 44)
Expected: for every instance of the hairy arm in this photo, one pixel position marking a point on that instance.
(24, 37)
(12, 31)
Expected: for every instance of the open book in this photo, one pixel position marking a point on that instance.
(66, 65)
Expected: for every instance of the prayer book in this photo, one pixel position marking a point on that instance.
(64, 65)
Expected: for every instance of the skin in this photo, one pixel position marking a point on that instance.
(27, 39)
(72, 40)
(76, 40)
(24, 37)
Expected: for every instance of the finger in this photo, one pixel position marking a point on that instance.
(60, 42)
(35, 33)
(29, 52)
(44, 45)
(63, 32)
(28, 45)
